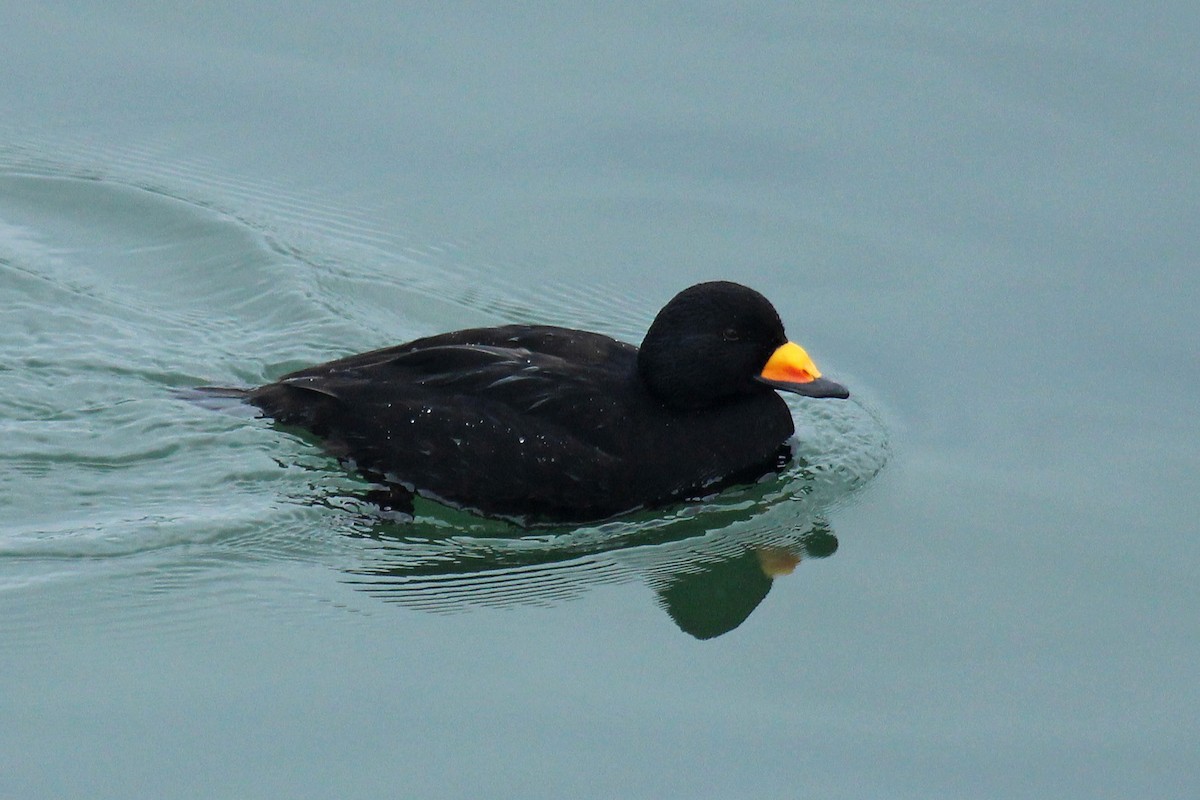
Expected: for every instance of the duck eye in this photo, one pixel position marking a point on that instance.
(731, 335)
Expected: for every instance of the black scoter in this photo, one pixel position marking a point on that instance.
(542, 423)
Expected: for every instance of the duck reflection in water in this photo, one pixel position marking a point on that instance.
(721, 596)
(708, 584)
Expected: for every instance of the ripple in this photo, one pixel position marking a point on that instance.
(341, 248)
(127, 277)
(708, 568)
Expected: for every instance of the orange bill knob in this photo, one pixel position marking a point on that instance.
(791, 369)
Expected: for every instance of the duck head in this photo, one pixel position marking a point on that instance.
(721, 340)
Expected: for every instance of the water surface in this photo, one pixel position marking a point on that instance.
(980, 582)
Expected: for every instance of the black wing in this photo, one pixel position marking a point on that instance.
(486, 417)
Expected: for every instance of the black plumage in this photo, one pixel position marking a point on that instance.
(547, 423)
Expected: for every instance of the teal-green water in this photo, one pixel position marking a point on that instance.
(980, 582)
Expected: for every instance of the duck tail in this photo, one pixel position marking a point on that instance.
(232, 392)
(213, 397)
